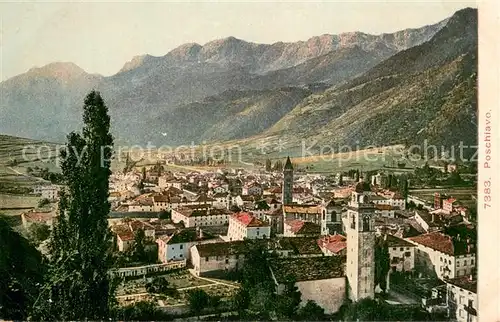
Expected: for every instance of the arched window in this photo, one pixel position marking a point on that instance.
(366, 223)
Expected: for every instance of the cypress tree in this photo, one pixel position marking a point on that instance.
(77, 286)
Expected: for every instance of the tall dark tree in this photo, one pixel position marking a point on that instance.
(356, 175)
(268, 165)
(77, 286)
(382, 262)
(139, 248)
(288, 302)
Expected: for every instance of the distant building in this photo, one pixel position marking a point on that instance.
(446, 256)
(287, 197)
(215, 259)
(401, 254)
(177, 246)
(333, 245)
(200, 215)
(244, 225)
(301, 228)
(312, 213)
(462, 298)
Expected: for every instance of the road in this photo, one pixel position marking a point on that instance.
(26, 175)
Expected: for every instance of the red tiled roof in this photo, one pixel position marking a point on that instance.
(440, 242)
(39, 217)
(334, 243)
(303, 227)
(248, 220)
(137, 224)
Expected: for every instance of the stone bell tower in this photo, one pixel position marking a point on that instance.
(287, 197)
(359, 228)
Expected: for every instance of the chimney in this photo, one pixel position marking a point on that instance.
(470, 277)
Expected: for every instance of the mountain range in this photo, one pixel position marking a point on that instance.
(406, 86)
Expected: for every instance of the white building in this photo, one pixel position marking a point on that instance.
(177, 246)
(462, 298)
(214, 259)
(401, 254)
(200, 215)
(244, 225)
(50, 192)
(447, 257)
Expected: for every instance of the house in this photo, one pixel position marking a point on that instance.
(216, 259)
(149, 230)
(169, 181)
(428, 221)
(462, 298)
(125, 233)
(50, 192)
(252, 189)
(401, 254)
(244, 225)
(313, 213)
(124, 237)
(176, 246)
(200, 215)
(447, 256)
(448, 204)
(385, 210)
(222, 200)
(319, 279)
(333, 245)
(301, 228)
(141, 205)
(30, 217)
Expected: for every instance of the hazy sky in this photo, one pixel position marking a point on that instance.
(100, 37)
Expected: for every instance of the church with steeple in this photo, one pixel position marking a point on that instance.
(360, 232)
(287, 190)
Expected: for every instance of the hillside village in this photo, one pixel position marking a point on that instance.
(292, 228)
(322, 229)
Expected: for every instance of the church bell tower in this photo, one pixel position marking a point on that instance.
(287, 197)
(359, 228)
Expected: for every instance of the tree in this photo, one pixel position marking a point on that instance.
(139, 245)
(356, 175)
(311, 312)
(39, 232)
(341, 180)
(198, 300)
(77, 286)
(268, 165)
(143, 173)
(289, 301)
(394, 182)
(43, 202)
(21, 268)
(382, 262)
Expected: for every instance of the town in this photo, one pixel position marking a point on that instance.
(178, 231)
